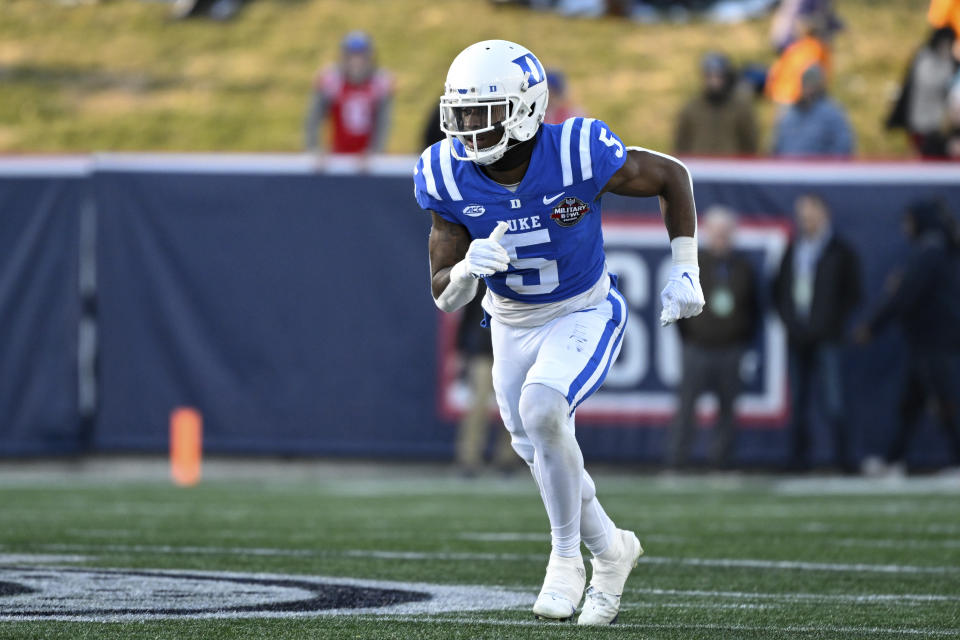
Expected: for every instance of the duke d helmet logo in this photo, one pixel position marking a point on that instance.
(569, 211)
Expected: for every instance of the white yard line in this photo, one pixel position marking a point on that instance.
(680, 626)
(725, 563)
(518, 536)
(793, 597)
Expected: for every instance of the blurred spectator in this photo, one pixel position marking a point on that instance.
(715, 341)
(815, 125)
(216, 9)
(945, 13)
(356, 96)
(924, 297)
(559, 106)
(815, 292)
(946, 142)
(921, 106)
(476, 351)
(719, 121)
(786, 21)
(785, 78)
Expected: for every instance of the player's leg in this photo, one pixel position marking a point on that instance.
(558, 469)
(565, 577)
(513, 355)
(573, 361)
(596, 528)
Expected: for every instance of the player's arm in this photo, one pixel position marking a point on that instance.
(647, 174)
(456, 263)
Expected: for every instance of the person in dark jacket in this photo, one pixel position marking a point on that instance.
(924, 297)
(720, 120)
(815, 292)
(714, 342)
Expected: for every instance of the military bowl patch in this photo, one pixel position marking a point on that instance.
(115, 595)
(569, 211)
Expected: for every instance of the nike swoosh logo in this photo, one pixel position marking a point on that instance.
(547, 200)
(687, 276)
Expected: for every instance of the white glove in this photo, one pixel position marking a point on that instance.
(682, 297)
(485, 257)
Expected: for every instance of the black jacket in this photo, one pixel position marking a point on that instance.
(926, 301)
(836, 293)
(716, 326)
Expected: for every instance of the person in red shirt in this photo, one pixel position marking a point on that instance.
(356, 96)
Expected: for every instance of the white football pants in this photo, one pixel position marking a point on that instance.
(540, 375)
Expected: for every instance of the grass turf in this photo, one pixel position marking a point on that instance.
(857, 562)
(81, 76)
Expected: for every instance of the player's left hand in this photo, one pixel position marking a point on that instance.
(682, 297)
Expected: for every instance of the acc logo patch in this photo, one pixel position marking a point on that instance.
(474, 210)
(569, 212)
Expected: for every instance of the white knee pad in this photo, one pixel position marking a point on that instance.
(543, 412)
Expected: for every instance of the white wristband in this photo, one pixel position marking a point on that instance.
(459, 274)
(461, 289)
(684, 249)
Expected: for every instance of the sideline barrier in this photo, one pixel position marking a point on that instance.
(291, 306)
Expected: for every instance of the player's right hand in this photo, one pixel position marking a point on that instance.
(485, 256)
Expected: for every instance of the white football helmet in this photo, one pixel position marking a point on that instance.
(495, 91)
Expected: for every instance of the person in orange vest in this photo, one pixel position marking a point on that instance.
(944, 13)
(784, 79)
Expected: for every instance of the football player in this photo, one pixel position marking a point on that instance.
(517, 202)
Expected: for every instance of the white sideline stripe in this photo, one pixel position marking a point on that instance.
(41, 166)
(696, 605)
(790, 597)
(747, 563)
(565, 152)
(664, 626)
(867, 486)
(505, 537)
(39, 558)
(751, 171)
(545, 537)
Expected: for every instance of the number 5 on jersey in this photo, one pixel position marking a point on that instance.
(547, 270)
(609, 141)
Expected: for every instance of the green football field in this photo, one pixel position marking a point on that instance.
(364, 551)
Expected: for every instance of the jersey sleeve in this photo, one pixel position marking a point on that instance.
(425, 188)
(607, 153)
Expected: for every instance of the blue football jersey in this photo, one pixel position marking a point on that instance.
(554, 241)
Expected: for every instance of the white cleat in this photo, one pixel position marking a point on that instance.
(602, 605)
(562, 589)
